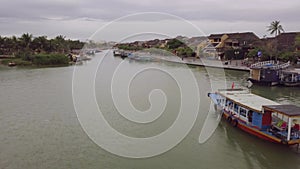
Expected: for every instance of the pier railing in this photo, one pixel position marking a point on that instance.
(261, 64)
(272, 65)
(283, 66)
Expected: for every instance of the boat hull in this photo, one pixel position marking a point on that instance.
(291, 84)
(264, 83)
(255, 132)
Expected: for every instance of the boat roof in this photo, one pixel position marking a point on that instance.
(246, 99)
(288, 109)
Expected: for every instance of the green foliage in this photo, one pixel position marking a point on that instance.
(287, 56)
(26, 40)
(39, 59)
(128, 47)
(297, 41)
(174, 43)
(13, 45)
(26, 55)
(275, 28)
(297, 54)
(75, 44)
(185, 52)
(253, 53)
(50, 59)
(265, 54)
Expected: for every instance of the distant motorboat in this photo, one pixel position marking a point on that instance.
(140, 57)
(11, 64)
(117, 53)
(91, 52)
(121, 53)
(290, 78)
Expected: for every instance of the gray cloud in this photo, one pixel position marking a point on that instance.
(192, 9)
(68, 13)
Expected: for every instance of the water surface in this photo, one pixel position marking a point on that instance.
(39, 127)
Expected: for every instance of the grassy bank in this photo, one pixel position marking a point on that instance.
(18, 61)
(40, 60)
(50, 59)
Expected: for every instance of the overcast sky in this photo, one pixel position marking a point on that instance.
(79, 19)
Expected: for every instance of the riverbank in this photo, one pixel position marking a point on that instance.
(16, 61)
(234, 65)
(214, 63)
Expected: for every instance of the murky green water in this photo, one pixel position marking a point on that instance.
(39, 127)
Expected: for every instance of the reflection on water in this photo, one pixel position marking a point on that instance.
(283, 95)
(39, 127)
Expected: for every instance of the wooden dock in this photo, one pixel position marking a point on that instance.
(234, 65)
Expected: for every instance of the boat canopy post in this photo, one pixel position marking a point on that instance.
(289, 129)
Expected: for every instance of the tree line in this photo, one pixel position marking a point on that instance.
(27, 43)
(28, 50)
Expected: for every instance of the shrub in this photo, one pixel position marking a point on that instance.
(50, 59)
(174, 43)
(288, 56)
(25, 55)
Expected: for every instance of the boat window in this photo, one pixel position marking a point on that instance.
(250, 114)
(243, 112)
(236, 107)
(223, 102)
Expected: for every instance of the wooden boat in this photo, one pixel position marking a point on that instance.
(259, 116)
(122, 54)
(266, 73)
(117, 53)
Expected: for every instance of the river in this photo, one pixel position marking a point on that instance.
(40, 129)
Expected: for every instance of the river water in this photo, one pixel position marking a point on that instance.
(40, 129)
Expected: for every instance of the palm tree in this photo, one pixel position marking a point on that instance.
(26, 40)
(275, 28)
(16, 44)
(60, 44)
(39, 43)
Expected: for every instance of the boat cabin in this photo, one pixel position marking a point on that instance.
(258, 115)
(247, 107)
(267, 72)
(284, 121)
